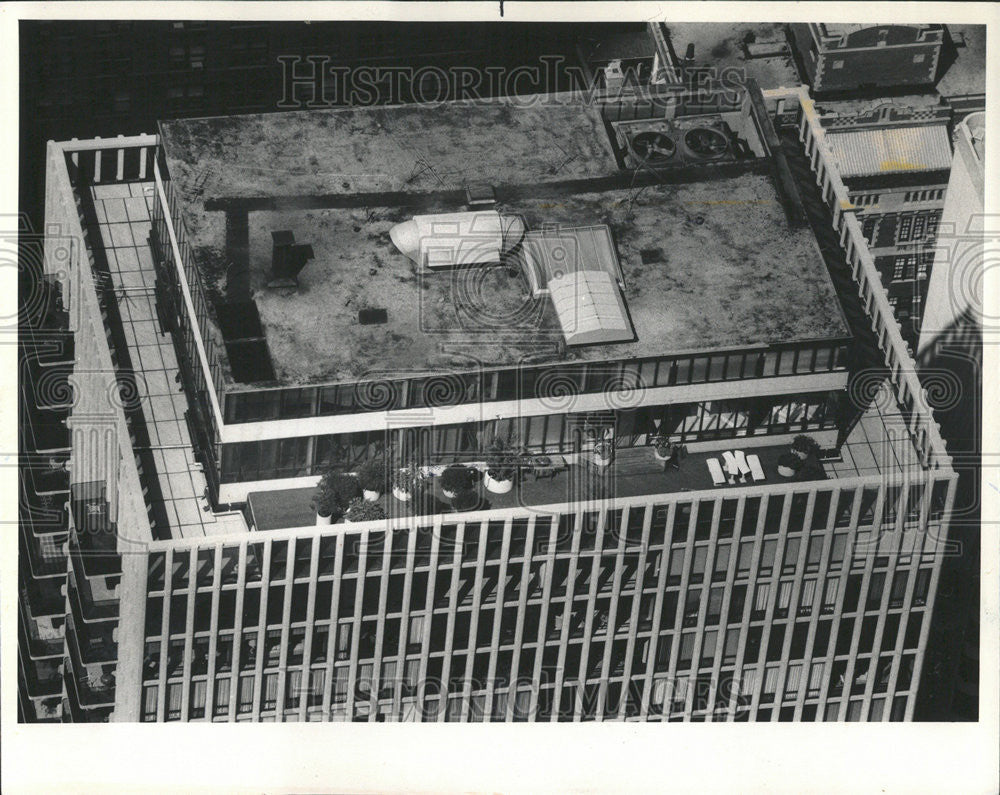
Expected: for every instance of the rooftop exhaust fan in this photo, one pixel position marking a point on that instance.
(652, 144)
(707, 142)
(287, 259)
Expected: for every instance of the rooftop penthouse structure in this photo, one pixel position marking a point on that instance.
(657, 185)
(659, 554)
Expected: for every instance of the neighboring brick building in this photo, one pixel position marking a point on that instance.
(895, 161)
(848, 57)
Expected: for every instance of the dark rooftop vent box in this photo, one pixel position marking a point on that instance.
(287, 259)
(651, 255)
(370, 317)
(479, 194)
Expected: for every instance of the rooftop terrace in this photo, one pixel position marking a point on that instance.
(964, 61)
(687, 248)
(176, 489)
(877, 445)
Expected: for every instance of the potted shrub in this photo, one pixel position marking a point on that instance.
(804, 446)
(345, 488)
(662, 448)
(325, 506)
(456, 479)
(371, 476)
(361, 510)
(806, 449)
(326, 500)
(788, 464)
(501, 464)
(405, 482)
(603, 453)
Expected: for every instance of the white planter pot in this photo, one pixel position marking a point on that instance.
(497, 486)
(323, 520)
(399, 494)
(371, 496)
(786, 472)
(448, 495)
(659, 457)
(600, 461)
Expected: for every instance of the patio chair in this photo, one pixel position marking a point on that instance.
(753, 461)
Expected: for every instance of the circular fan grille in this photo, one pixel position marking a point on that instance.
(651, 144)
(706, 141)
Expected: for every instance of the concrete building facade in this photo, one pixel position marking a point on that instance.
(950, 358)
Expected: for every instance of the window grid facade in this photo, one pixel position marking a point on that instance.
(522, 617)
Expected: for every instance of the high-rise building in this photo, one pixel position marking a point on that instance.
(955, 289)
(716, 506)
(891, 137)
(950, 358)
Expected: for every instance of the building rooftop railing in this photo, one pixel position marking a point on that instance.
(902, 370)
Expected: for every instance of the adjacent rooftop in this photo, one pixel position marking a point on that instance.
(709, 259)
(755, 50)
(868, 152)
(963, 67)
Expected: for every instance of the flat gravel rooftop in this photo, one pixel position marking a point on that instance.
(710, 260)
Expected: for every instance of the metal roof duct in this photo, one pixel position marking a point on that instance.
(451, 239)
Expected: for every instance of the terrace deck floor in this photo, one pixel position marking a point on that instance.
(123, 217)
